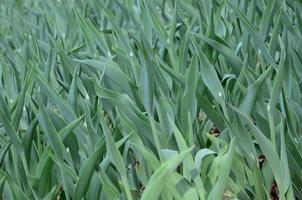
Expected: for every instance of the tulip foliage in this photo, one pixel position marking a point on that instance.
(150, 99)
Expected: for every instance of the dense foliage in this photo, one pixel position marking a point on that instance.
(151, 99)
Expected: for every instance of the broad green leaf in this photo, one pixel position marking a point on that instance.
(258, 39)
(249, 101)
(229, 54)
(87, 170)
(116, 158)
(189, 102)
(209, 75)
(156, 182)
(224, 164)
(200, 155)
(51, 133)
(266, 146)
(10, 131)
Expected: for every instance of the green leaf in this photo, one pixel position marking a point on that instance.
(51, 133)
(87, 170)
(229, 54)
(258, 39)
(248, 104)
(10, 131)
(209, 75)
(116, 158)
(189, 102)
(156, 182)
(224, 166)
(266, 146)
